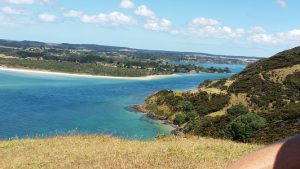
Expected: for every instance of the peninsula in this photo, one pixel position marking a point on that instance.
(259, 105)
(105, 60)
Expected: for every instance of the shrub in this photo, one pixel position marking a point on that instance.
(180, 119)
(237, 110)
(244, 127)
(293, 80)
(191, 115)
(185, 106)
(205, 83)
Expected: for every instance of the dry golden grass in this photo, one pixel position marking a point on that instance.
(107, 152)
(279, 75)
(239, 98)
(229, 82)
(6, 56)
(234, 100)
(212, 90)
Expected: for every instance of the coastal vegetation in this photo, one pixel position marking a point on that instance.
(259, 105)
(99, 68)
(108, 60)
(64, 49)
(109, 152)
(93, 59)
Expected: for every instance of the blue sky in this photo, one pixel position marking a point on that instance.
(233, 27)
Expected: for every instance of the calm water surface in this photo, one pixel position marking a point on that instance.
(44, 105)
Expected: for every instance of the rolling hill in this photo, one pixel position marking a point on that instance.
(260, 104)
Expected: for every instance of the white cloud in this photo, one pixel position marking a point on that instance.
(73, 13)
(152, 22)
(10, 11)
(20, 1)
(218, 32)
(158, 24)
(113, 18)
(263, 38)
(292, 36)
(210, 28)
(144, 11)
(281, 3)
(47, 17)
(205, 22)
(126, 4)
(214, 29)
(294, 33)
(257, 30)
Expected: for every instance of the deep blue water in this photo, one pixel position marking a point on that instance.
(45, 105)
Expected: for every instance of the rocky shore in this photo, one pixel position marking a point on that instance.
(176, 131)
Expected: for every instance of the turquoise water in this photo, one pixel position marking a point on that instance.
(233, 67)
(44, 105)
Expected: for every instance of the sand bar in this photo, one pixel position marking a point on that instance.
(45, 72)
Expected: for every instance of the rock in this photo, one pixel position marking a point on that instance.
(177, 132)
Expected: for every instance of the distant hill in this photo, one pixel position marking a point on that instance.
(100, 60)
(172, 55)
(26, 44)
(260, 104)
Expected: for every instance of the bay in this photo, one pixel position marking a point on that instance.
(45, 105)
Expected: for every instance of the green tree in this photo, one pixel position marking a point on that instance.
(244, 127)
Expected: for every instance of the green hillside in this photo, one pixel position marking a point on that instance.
(261, 104)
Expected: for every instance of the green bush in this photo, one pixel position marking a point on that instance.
(237, 110)
(205, 83)
(244, 127)
(180, 119)
(191, 115)
(185, 106)
(293, 80)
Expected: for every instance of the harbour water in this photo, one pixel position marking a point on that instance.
(33, 104)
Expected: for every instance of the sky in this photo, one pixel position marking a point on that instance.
(233, 27)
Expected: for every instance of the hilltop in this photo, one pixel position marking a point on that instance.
(260, 104)
(113, 50)
(109, 152)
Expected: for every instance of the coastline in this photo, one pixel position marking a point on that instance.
(176, 130)
(47, 72)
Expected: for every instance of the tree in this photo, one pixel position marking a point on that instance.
(244, 127)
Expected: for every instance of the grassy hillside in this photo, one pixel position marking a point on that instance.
(261, 104)
(108, 152)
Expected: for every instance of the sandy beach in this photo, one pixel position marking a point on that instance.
(45, 72)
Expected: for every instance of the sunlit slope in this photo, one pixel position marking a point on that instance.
(261, 104)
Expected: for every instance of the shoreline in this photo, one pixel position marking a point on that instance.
(47, 72)
(176, 130)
